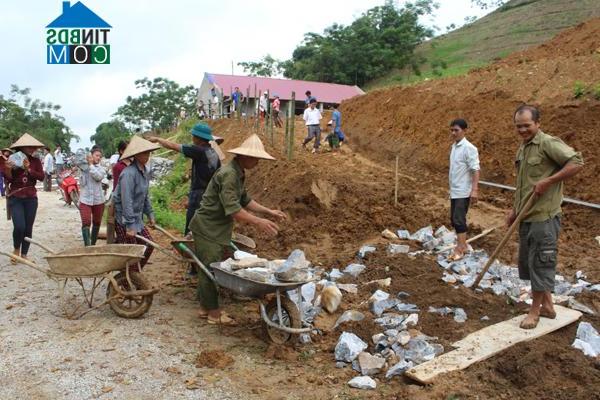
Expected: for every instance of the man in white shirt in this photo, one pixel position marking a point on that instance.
(312, 118)
(464, 183)
(48, 169)
(59, 160)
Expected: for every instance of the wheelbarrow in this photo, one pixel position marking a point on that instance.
(128, 293)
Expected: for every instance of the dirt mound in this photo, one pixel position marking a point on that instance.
(413, 121)
(213, 359)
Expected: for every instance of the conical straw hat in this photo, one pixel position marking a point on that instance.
(138, 145)
(252, 147)
(27, 141)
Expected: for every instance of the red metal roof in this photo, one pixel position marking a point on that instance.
(324, 92)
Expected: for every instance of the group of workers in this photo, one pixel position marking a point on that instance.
(218, 198)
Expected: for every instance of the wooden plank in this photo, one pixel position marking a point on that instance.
(489, 341)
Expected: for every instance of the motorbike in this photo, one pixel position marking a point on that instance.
(69, 187)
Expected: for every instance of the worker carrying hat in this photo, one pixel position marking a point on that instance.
(226, 201)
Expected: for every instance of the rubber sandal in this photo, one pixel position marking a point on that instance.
(547, 314)
(203, 314)
(224, 319)
(524, 325)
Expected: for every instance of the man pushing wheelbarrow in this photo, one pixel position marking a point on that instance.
(225, 201)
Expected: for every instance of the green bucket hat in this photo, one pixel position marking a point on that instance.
(202, 131)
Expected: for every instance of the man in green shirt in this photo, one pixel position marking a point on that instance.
(543, 162)
(226, 201)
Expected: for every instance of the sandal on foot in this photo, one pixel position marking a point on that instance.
(224, 319)
(529, 325)
(548, 314)
(202, 314)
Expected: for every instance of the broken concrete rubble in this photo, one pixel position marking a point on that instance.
(362, 382)
(398, 248)
(354, 269)
(349, 346)
(587, 340)
(370, 364)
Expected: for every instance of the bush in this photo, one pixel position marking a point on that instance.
(170, 190)
(596, 91)
(578, 89)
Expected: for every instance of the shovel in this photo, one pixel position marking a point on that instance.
(530, 201)
(235, 237)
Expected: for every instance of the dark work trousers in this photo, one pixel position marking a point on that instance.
(194, 199)
(23, 212)
(2, 189)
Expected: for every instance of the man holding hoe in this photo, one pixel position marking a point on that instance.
(543, 162)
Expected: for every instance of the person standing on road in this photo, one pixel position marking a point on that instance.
(237, 98)
(543, 163)
(91, 202)
(205, 162)
(312, 118)
(21, 193)
(48, 169)
(117, 168)
(224, 202)
(263, 105)
(463, 179)
(308, 98)
(3, 159)
(59, 160)
(131, 198)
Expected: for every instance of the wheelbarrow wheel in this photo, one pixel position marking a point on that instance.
(290, 316)
(129, 306)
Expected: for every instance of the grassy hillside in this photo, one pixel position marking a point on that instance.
(515, 26)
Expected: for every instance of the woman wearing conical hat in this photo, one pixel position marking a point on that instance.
(5, 153)
(131, 200)
(225, 201)
(21, 172)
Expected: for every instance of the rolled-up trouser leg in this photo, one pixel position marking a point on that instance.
(538, 253)
(207, 252)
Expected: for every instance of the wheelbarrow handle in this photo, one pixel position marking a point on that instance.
(25, 261)
(197, 261)
(48, 249)
(159, 248)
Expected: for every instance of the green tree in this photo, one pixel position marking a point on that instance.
(109, 134)
(19, 113)
(267, 66)
(488, 4)
(381, 39)
(158, 107)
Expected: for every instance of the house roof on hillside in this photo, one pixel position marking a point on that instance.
(324, 92)
(78, 16)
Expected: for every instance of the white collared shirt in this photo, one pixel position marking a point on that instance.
(464, 161)
(312, 116)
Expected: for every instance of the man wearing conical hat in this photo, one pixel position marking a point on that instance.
(131, 200)
(205, 162)
(226, 201)
(21, 171)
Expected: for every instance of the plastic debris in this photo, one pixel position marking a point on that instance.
(389, 235)
(349, 346)
(362, 382)
(399, 368)
(398, 248)
(379, 295)
(349, 315)
(362, 252)
(587, 340)
(354, 269)
(369, 364)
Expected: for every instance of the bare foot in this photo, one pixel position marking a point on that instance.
(530, 322)
(547, 313)
(202, 313)
(222, 319)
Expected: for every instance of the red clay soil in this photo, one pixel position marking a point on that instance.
(338, 202)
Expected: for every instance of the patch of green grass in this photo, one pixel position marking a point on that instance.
(596, 91)
(171, 189)
(579, 89)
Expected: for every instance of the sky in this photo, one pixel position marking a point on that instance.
(176, 39)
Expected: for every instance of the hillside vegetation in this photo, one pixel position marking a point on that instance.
(515, 26)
